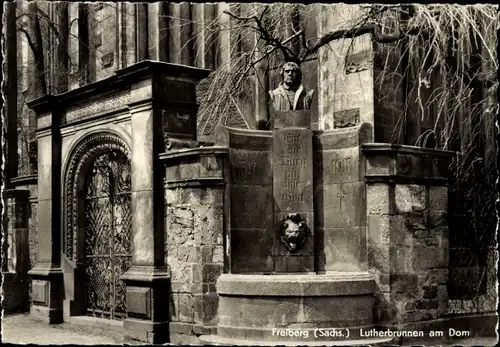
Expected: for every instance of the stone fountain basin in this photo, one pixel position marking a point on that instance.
(260, 307)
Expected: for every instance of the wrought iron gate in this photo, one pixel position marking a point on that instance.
(107, 234)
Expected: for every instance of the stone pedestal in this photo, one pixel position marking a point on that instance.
(147, 303)
(47, 275)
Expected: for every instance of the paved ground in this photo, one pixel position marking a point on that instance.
(21, 329)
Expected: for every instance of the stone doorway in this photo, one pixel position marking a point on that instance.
(107, 237)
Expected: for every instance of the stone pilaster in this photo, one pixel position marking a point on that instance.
(16, 251)
(17, 202)
(47, 276)
(160, 94)
(147, 302)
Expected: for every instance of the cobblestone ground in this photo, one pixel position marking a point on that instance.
(22, 329)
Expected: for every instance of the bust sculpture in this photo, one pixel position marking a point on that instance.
(290, 94)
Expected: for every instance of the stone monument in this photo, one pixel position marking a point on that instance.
(303, 267)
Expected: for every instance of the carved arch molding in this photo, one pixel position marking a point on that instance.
(81, 157)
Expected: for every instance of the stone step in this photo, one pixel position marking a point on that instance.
(225, 341)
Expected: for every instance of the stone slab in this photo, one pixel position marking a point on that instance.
(295, 119)
(40, 292)
(340, 249)
(292, 170)
(241, 263)
(252, 242)
(251, 207)
(138, 302)
(293, 263)
(340, 205)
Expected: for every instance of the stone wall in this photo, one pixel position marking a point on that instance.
(345, 71)
(194, 249)
(389, 99)
(407, 202)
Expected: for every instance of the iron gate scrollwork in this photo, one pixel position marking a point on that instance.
(107, 245)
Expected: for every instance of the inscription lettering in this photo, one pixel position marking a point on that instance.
(292, 138)
(246, 166)
(292, 163)
(292, 150)
(341, 196)
(293, 185)
(341, 165)
(288, 197)
(285, 161)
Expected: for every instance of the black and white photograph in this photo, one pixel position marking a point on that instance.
(249, 174)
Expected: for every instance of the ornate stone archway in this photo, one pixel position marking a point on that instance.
(93, 153)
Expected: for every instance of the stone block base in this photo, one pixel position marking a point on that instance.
(294, 309)
(147, 304)
(46, 315)
(146, 331)
(47, 293)
(15, 293)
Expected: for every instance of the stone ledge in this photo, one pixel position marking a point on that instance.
(342, 137)
(24, 180)
(181, 154)
(296, 285)
(398, 179)
(195, 182)
(370, 149)
(257, 140)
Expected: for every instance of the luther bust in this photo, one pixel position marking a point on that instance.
(290, 94)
